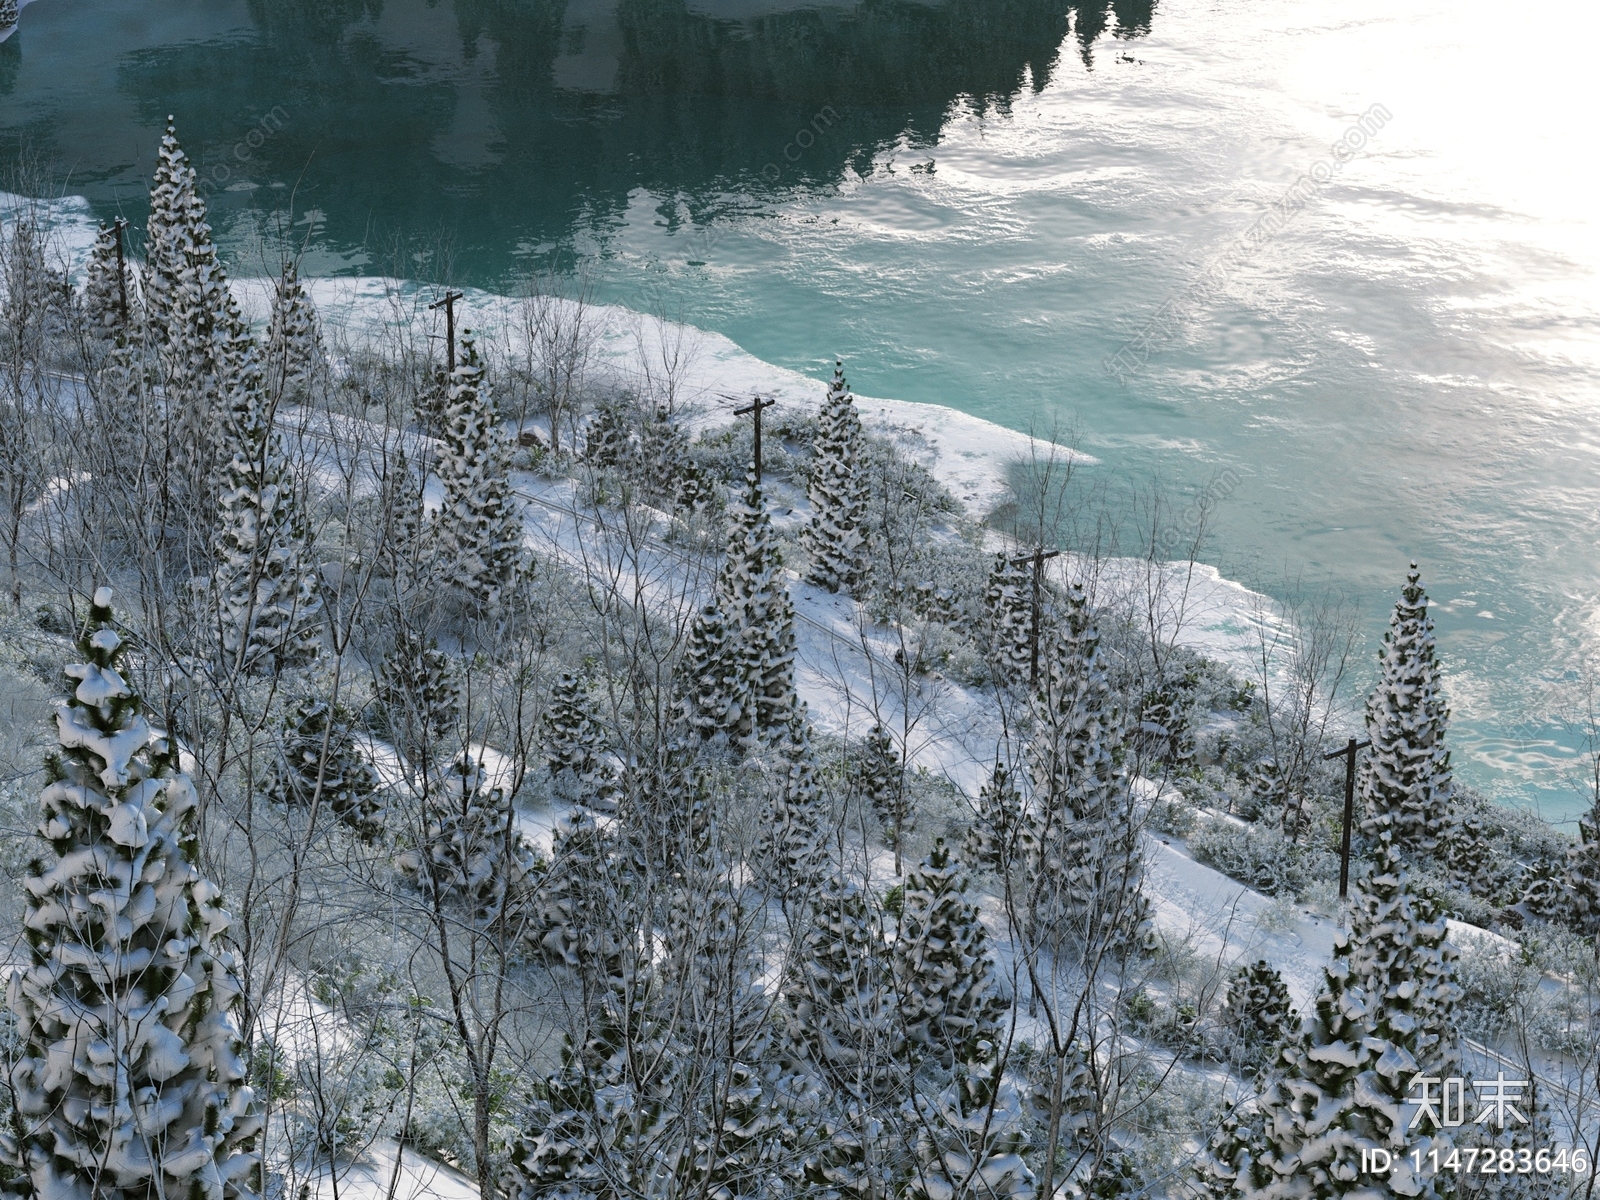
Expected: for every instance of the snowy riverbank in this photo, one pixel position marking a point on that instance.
(970, 456)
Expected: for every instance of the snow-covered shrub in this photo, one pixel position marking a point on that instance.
(1498, 986)
(1170, 814)
(1261, 858)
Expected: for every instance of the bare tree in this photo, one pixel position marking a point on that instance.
(560, 327)
(1302, 651)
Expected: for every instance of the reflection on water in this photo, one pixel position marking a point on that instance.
(506, 124)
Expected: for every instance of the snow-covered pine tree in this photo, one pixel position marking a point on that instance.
(711, 687)
(294, 341)
(605, 1124)
(609, 440)
(110, 298)
(469, 849)
(838, 990)
(1008, 609)
(10, 14)
(575, 746)
(1084, 862)
(754, 599)
(579, 923)
(265, 582)
(1385, 1016)
(970, 1138)
(835, 538)
(792, 847)
(186, 308)
(842, 1025)
(478, 528)
(1543, 890)
(320, 762)
(419, 697)
(1258, 1015)
(1583, 875)
(736, 1102)
(129, 1082)
(950, 1005)
(663, 454)
(1401, 957)
(994, 839)
(1166, 727)
(1408, 769)
(882, 780)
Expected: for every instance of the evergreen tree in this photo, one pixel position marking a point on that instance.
(575, 746)
(581, 900)
(792, 846)
(1408, 770)
(970, 1135)
(1257, 1014)
(609, 439)
(712, 696)
(186, 308)
(950, 1007)
(265, 583)
(10, 14)
(838, 992)
(1115, 1177)
(755, 601)
(110, 298)
(1008, 606)
(666, 464)
(294, 342)
(835, 539)
(841, 1020)
(1166, 726)
(1469, 855)
(1384, 1018)
(1401, 958)
(995, 836)
(469, 849)
(603, 1125)
(1085, 865)
(735, 1104)
(419, 697)
(129, 1082)
(479, 530)
(883, 785)
(1583, 875)
(320, 762)
(1543, 891)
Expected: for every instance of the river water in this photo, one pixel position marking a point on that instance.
(978, 203)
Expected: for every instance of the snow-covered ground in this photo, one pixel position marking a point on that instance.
(845, 663)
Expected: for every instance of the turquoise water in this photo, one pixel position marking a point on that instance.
(977, 204)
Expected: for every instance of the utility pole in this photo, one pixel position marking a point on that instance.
(122, 271)
(754, 409)
(448, 303)
(1038, 559)
(1349, 756)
